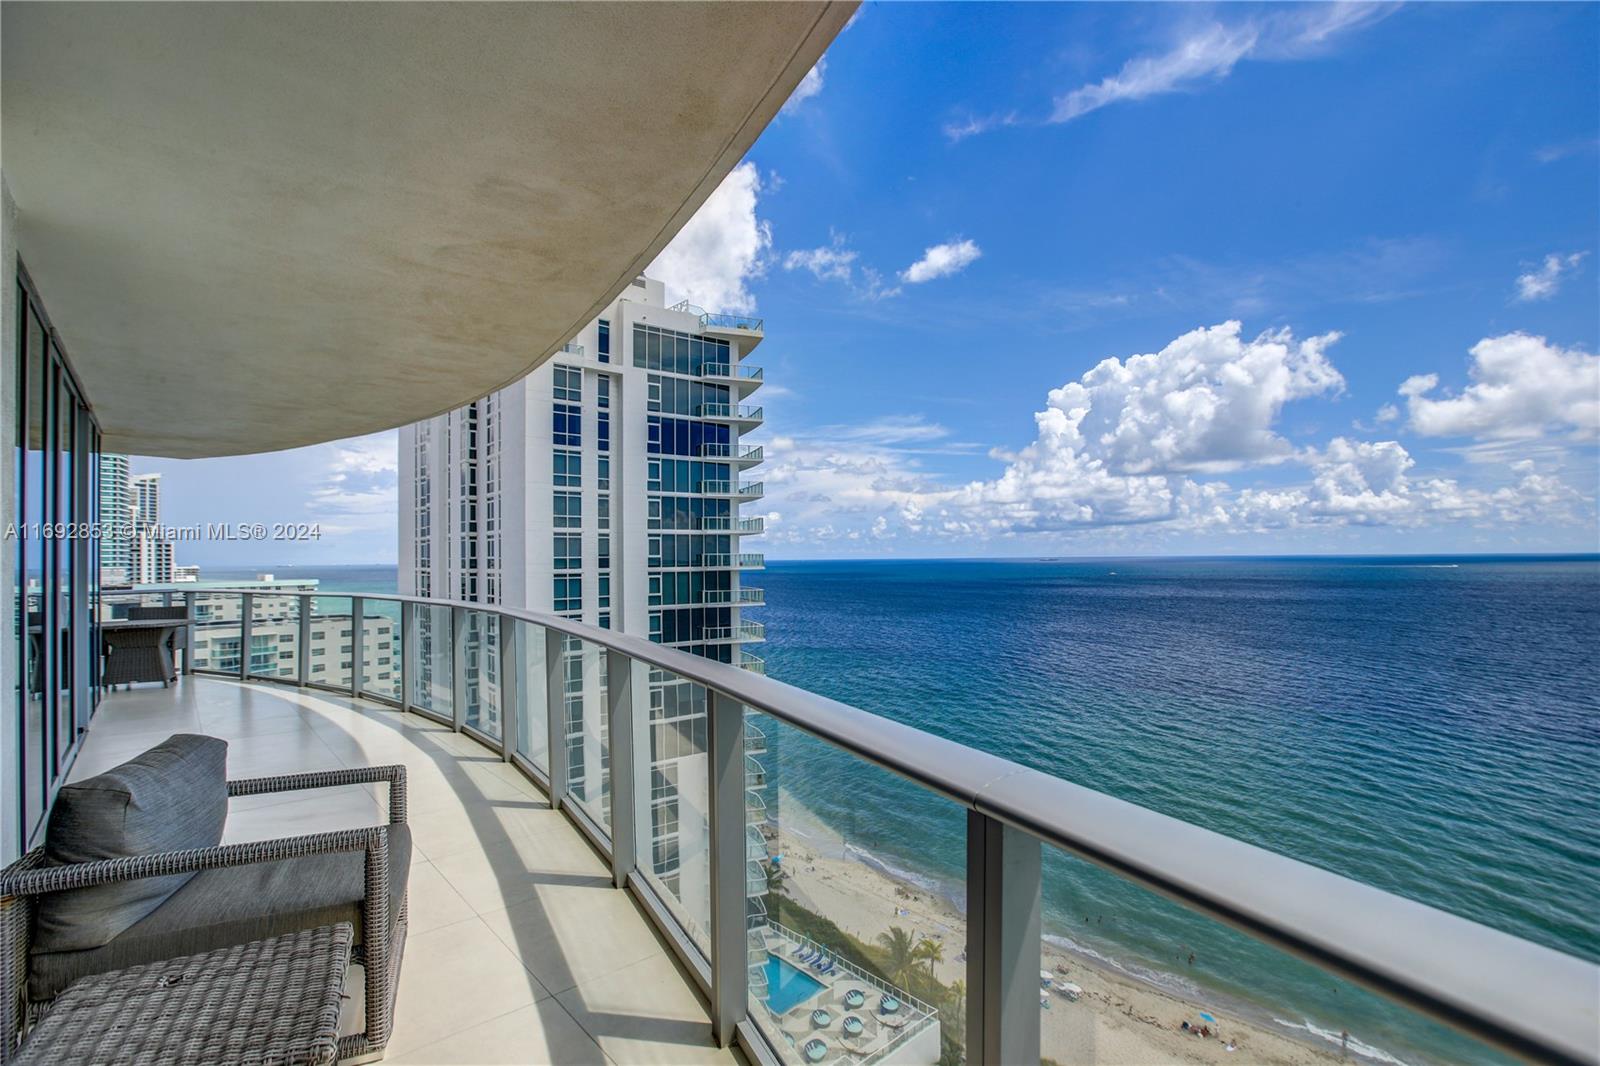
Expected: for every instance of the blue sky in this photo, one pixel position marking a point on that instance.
(1342, 261)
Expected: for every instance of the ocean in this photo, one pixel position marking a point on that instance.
(1430, 726)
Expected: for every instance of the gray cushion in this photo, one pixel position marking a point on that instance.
(171, 798)
(235, 905)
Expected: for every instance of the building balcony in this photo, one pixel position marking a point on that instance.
(751, 633)
(573, 348)
(753, 526)
(746, 455)
(751, 490)
(534, 936)
(746, 329)
(743, 379)
(744, 415)
(743, 490)
(751, 597)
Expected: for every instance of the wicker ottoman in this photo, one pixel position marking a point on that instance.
(274, 1003)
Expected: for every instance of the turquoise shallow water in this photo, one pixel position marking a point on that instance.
(1429, 726)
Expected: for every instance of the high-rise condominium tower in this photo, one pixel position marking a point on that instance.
(605, 487)
(152, 552)
(116, 517)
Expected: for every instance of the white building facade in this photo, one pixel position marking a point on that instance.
(606, 487)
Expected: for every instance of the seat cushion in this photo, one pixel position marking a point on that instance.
(235, 905)
(171, 798)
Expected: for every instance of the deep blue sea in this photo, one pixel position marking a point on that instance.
(1427, 725)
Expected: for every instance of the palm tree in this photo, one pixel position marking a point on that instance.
(957, 1021)
(930, 953)
(900, 955)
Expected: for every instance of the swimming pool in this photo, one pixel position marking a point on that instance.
(788, 986)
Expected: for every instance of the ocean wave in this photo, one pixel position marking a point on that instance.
(923, 881)
(1366, 1051)
(1181, 987)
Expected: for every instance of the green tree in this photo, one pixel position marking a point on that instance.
(900, 955)
(930, 953)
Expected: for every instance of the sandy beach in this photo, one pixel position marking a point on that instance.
(1118, 1020)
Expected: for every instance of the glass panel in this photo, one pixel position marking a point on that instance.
(30, 568)
(483, 673)
(533, 716)
(674, 824)
(61, 566)
(1135, 978)
(381, 648)
(588, 748)
(332, 641)
(857, 912)
(429, 645)
(275, 636)
(216, 632)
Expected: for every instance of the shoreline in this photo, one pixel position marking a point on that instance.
(1119, 1018)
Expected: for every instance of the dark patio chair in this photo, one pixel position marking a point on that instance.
(132, 870)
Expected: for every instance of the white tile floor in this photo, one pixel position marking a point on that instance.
(520, 951)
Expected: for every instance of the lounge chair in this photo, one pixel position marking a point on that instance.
(132, 870)
(826, 970)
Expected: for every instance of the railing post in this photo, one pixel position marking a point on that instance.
(188, 632)
(246, 611)
(510, 683)
(304, 660)
(1002, 942)
(458, 667)
(624, 687)
(358, 643)
(729, 963)
(556, 714)
(407, 671)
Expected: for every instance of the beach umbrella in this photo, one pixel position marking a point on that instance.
(1207, 1018)
(1045, 975)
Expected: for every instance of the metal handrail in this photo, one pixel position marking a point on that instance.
(726, 320)
(742, 412)
(1437, 963)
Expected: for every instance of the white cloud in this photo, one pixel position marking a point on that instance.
(723, 248)
(971, 125)
(831, 262)
(1545, 281)
(1136, 444)
(836, 261)
(357, 489)
(940, 261)
(1388, 413)
(1211, 52)
(1523, 387)
(809, 86)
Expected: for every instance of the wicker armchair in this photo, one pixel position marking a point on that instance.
(379, 953)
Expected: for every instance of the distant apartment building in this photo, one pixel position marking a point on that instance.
(606, 487)
(116, 518)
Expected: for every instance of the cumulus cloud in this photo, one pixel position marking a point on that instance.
(809, 86)
(1523, 387)
(837, 261)
(941, 260)
(1138, 443)
(1210, 53)
(1545, 281)
(724, 247)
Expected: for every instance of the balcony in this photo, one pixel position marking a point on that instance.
(748, 455)
(573, 348)
(753, 526)
(751, 633)
(753, 663)
(742, 379)
(746, 329)
(739, 414)
(524, 949)
(751, 597)
(519, 948)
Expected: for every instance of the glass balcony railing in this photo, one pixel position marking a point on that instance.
(573, 348)
(752, 596)
(752, 526)
(730, 372)
(795, 845)
(724, 320)
(752, 490)
(729, 412)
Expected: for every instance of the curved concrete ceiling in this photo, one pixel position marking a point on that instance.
(260, 226)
